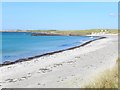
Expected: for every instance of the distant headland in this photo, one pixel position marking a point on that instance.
(66, 32)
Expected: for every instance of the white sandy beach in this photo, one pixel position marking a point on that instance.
(68, 69)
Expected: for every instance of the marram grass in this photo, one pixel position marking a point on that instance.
(106, 79)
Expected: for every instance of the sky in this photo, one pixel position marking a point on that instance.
(59, 15)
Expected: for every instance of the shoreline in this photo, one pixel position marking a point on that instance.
(69, 69)
(49, 53)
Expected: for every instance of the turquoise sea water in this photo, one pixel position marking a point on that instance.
(21, 45)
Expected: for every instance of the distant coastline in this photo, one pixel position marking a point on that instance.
(66, 32)
(12, 31)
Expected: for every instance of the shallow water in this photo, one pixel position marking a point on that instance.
(16, 45)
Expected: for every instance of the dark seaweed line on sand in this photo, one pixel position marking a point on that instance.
(50, 53)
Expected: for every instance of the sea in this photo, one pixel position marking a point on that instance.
(18, 45)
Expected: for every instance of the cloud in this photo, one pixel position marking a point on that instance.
(114, 14)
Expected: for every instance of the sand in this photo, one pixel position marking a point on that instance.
(67, 69)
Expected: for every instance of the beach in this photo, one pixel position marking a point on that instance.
(68, 69)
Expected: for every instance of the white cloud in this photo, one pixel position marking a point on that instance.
(113, 14)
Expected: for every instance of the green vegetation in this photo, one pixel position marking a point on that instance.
(77, 32)
(107, 79)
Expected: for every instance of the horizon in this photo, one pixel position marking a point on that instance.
(59, 15)
(54, 30)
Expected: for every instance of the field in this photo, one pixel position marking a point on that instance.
(77, 32)
(69, 32)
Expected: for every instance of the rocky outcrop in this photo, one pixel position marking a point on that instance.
(45, 34)
(7, 63)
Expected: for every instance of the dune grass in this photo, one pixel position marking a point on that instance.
(106, 79)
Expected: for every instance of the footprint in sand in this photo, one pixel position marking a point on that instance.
(38, 84)
(44, 70)
(72, 75)
(62, 79)
(23, 78)
(29, 75)
(11, 80)
(41, 84)
(77, 57)
(60, 64)
(71, 62)
(58, 81)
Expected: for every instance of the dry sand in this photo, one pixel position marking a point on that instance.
(68, 69)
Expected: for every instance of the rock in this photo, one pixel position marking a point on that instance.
(0, 65)
(7, 62)
(45, 34)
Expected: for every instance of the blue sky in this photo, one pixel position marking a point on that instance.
(59, 15)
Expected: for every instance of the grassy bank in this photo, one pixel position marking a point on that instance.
(77, 32)
(69, 32)
(106, 79)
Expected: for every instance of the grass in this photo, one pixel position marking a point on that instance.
(77, 32)
(73, 32)
(107, 79)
